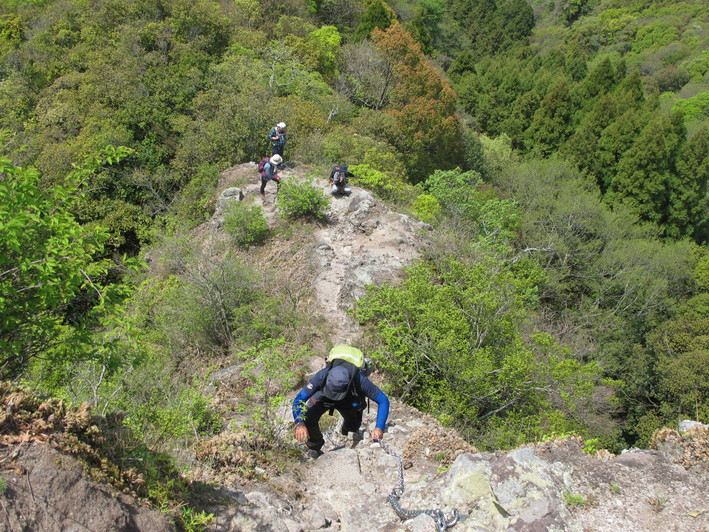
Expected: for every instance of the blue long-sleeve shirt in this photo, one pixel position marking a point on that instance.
(269, 170)
(314, 388)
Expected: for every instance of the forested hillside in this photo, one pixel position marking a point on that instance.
(559, 149)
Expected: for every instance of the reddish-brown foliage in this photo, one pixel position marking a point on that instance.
(423, 103)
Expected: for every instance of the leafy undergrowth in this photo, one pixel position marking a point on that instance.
(106, 448)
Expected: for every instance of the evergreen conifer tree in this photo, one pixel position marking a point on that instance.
(552, 121)
(630, 90)
(600, 80)
(645, 173)
(418, 30)
(377, 15)
(688, 186)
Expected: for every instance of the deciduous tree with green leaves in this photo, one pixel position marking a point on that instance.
(453, 345)
(677, 352)
(49, 274)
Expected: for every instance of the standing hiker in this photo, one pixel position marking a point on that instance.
(278, 138)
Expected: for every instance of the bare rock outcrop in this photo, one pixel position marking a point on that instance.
(550, 486)
(47, 490)
(363, 243)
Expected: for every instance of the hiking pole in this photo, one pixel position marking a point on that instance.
(443, 522)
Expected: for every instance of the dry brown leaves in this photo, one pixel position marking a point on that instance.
(691, 446)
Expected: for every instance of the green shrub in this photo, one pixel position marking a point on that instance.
(194, 203)
(590, 445)
(302, 200)
(270, 369)
(197, 308)
(159, 410)
(360, 145)
(245, 224)
(382, 184)
(426, 208)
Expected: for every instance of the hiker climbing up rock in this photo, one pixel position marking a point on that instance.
(269, 169)
(342, 385)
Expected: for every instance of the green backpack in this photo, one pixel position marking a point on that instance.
(352, 355)
(354, 361)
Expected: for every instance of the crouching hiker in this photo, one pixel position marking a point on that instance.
(269, 171)
(339, 179)
(342, 385)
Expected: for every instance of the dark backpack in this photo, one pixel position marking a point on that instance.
(262, 163)
(355, 362)
(339, 174)
(353, 391)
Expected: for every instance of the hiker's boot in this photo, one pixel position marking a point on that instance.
(357, 436)
(312, 454)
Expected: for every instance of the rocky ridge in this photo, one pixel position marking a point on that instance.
(554, 485)
(361, 242)
(550, 486)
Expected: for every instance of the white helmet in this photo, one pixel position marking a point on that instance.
(282, 125)
(276, 159)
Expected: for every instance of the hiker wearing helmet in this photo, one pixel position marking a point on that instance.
(342, 385)
(269, 172)
(278, 138)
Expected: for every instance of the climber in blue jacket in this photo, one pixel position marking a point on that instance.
(340, 388)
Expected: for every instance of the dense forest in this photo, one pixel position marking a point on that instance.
(560, 148)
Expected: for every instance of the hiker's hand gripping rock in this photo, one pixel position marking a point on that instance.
(377, 434)
(301, 431)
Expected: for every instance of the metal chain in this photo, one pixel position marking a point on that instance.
(443, 522)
